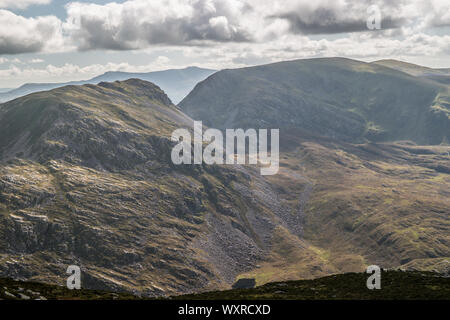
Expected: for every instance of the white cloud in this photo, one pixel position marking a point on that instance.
(16, 75)
(21, 4)
(436, 12)
(358, 46)
(35, 61)
(138, 24)
(29, 34)
(162, 61)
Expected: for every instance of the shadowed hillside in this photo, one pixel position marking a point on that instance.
(339, 98)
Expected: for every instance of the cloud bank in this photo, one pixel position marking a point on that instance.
(22, 35)
(139, 24)
(21, 4)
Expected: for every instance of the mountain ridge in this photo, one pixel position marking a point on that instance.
(411, 68)
(185, 78)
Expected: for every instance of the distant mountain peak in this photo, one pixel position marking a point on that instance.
(177, 83)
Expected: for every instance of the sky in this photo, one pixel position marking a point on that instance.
(61, 40)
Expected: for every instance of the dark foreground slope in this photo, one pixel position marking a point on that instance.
(340, 98)
(395, 285)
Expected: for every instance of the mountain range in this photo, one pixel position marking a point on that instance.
(86, 179)
(177, 83)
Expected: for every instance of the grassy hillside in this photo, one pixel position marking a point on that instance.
(339, 98)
